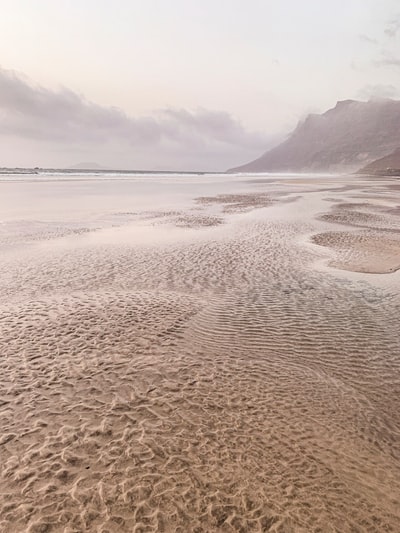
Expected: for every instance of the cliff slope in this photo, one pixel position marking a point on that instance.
(343, 138)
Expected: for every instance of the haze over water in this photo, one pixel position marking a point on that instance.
(199, 353)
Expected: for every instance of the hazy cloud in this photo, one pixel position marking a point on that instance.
(388, 60)
(378, 91)
(367, 39)
(392, 27)
(65, 117)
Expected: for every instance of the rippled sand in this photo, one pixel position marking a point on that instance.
(229, 365)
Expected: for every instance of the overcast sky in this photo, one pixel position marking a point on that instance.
(182, 84)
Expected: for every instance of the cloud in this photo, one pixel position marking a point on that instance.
(371, 91)
(367, 39)
(204, 125)
(388, 60)
(392, 27)
(389, 54)
(69, 119)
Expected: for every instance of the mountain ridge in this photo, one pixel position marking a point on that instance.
(349, 135)
(389, 165)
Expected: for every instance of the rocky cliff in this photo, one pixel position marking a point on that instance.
(344, 138)
(388, 165)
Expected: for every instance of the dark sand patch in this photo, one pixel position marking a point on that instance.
(197, 221)
(374, 245)
(234, 203)
(362, 252)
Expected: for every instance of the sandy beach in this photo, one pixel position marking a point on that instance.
(212, 353)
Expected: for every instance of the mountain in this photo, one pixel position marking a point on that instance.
(389, 165)
(87, 166)
(343, 138)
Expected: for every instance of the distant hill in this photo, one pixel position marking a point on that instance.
(341, 139)
(87, 166)
(389, 165)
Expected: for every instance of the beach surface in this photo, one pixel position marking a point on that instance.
(211, 353)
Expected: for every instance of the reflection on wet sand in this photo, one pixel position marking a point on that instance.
(375, 246)
(216, 380)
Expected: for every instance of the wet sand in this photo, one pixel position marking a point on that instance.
(223, 361)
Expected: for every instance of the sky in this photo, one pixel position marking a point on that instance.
(182, 84)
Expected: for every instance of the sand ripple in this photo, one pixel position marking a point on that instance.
(221, 385)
